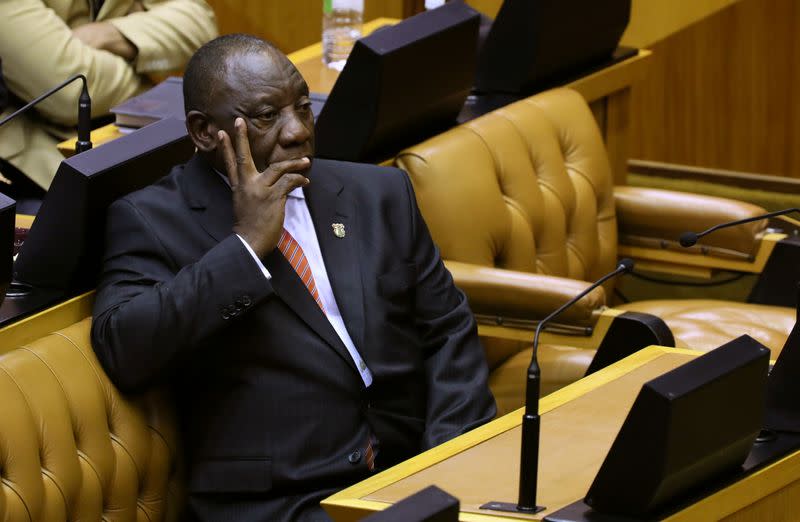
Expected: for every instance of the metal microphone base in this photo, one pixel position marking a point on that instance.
(510, 507)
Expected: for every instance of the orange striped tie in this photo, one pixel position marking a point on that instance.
(371, 452)
(291, 250)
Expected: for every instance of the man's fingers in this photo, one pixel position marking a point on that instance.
(289, 182)
(243, 156)
(229, 157)
(279, 168)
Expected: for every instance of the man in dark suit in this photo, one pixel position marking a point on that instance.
(299, 308)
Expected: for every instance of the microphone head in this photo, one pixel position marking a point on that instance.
(625, 265)
(688, 239)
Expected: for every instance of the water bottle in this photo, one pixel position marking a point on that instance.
(341, 27)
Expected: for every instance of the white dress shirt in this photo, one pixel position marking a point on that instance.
(297, 222)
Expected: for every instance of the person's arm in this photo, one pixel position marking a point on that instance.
(455, 367)
(166, 32)
(149, 314)
(40, 51)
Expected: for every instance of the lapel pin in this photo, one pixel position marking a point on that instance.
(338, 229)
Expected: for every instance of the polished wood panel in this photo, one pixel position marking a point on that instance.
(575, 439)
(579, 423)
(654, 20)
(651, 20)
(47, 321)
(296, 23)
(723, 93)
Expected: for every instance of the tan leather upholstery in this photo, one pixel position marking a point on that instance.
(562, 364)
(702, 324)
(665, 214)
(71, 448)
(521, 189)
(524, 294)
(528, 189)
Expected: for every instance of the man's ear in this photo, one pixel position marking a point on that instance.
(202, 131)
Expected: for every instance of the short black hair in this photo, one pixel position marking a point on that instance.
(207, 67)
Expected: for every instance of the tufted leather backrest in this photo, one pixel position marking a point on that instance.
(71, 447)
(527, 187)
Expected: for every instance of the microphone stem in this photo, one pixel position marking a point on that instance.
(532, 406)
(84, 111)
(528, 482)
(43, 96)
(531, 421)
(748, 220)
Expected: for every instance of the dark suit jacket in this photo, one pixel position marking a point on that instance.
(272, 404)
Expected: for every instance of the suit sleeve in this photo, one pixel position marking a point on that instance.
(455, 364)
(167, 33)
(39, 51)
(148, 314)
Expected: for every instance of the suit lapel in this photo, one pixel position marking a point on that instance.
(288, 285)
(328, 203)
(210, 196)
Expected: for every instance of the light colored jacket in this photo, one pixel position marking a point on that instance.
(39, 51)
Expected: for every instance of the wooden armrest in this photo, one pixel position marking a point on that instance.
(521, 295)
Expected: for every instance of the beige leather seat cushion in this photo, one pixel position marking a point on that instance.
(561, 365)
(703, 325)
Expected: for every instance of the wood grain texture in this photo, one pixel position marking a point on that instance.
(654, 20)
(575, 439)
(723, 93)
(292, 24)
(651, 20)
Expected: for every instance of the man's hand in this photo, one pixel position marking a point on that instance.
(104, 36)
(259, 198)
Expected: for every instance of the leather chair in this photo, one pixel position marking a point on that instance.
(72, 448)
(522, 205)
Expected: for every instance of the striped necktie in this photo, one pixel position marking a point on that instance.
(371, 452)
(291, 250)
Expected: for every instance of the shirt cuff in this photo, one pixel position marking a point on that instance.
(255, 258)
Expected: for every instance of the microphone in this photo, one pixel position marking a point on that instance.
(688, 239)
(529, 453)
(84, 112)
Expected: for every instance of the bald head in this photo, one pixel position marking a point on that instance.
(208, 69)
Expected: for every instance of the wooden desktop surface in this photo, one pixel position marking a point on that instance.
(594, 87)
(578, 425)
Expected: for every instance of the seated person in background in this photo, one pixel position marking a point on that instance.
(3, 89)
(298, 308)
(114, 43)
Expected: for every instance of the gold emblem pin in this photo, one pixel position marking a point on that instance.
(338, 229)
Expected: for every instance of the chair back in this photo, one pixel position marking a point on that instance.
(71, 447)
(527, 187)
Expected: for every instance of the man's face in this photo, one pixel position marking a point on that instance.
(270, 95)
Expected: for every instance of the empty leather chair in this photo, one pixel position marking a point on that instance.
(522, 205)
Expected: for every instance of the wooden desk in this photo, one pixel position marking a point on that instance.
(48, 320)
(579, 424)
(607, 91)
(308, 61)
